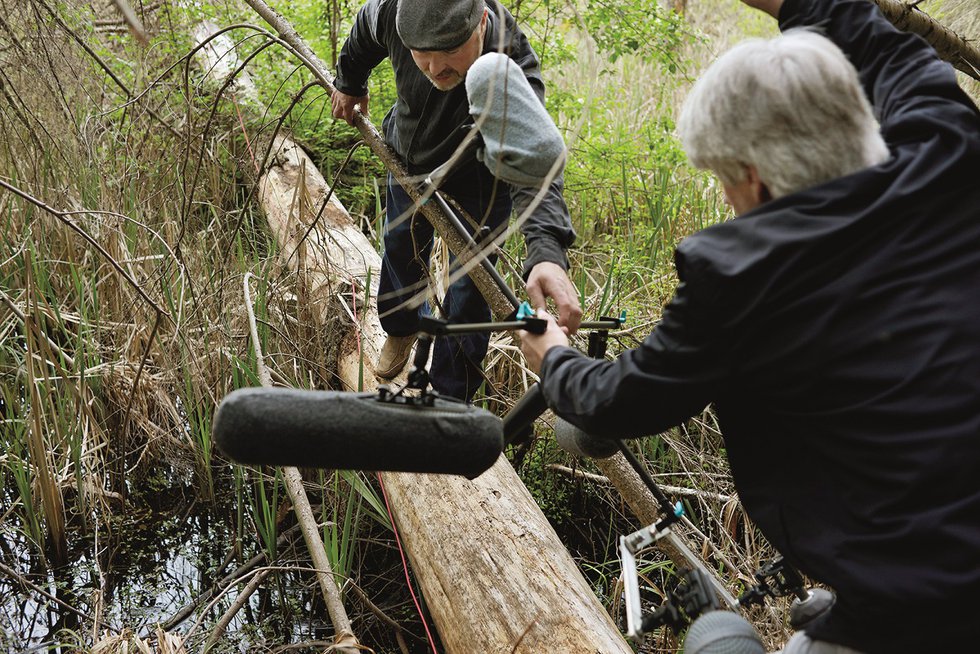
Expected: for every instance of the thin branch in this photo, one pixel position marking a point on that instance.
(65, 217)
(23, 320)
(185, 612)
(373, 608)
(133, 21)
(674, 490)
(344, 640)
(26, 583)
(236, 606)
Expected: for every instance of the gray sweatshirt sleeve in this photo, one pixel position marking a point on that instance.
(521, 145)
(548, 230)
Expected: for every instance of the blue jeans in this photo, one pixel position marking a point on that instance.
(456, 368)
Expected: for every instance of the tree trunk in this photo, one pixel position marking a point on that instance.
(495, 575)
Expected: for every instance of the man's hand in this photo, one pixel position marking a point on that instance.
(770, 7)
(343, 105)
(550, 280)
(535, 346)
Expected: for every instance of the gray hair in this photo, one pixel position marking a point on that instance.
(791, 106)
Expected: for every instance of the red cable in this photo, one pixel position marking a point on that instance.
(401, 552)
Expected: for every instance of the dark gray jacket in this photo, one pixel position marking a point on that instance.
(837, 331)
(426, 125)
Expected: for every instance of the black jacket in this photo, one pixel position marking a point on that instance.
(837, 332)
(426, 125)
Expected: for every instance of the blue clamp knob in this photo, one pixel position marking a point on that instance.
(525, 311)
(678, 509)
(622, 317)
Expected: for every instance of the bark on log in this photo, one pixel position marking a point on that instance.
(950, 46)
(496, 577)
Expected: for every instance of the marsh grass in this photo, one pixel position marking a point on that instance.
(97, 398)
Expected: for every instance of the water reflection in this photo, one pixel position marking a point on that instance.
(137, 573)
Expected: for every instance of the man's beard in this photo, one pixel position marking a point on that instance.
(448, 83)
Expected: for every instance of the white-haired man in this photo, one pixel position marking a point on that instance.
(432, 45)
(834, 323)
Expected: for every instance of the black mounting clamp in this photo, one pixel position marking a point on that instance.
(777, 578)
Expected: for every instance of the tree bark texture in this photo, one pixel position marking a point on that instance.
(963, 54)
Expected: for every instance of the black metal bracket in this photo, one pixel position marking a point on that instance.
(776, 579)
(523, 318)
(691, 597)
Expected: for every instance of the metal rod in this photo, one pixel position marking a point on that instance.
(518, 421)
(600, 324)
(482, 327)
(485, 263)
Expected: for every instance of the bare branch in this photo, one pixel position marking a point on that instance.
(957, 50)
(132, 20)
(65, 217)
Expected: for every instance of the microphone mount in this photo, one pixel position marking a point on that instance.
(524, 317)
(685, 603)
(776, 579)
(693, 594)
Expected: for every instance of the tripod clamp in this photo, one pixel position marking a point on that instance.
(775, 579)
(691, 597)
(524, 318)
(693, 594)
(778, 579)
(638, 624)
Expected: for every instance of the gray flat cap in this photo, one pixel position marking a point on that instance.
(437, 24)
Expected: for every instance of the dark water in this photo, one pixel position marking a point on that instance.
(138, 572)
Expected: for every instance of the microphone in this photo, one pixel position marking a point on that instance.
(575, 441)
(520, 141)
(722, 632)
(355, 431)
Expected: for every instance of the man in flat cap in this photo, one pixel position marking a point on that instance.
(432, 45)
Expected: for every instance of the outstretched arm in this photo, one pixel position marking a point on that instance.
(671, 376)
(522, 146)
(363, 50)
